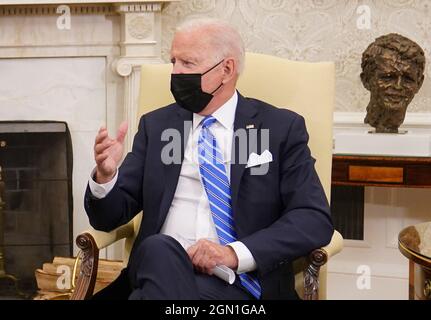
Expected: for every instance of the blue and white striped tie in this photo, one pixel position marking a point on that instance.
(217, 187)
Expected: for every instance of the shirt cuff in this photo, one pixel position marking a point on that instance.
(100, 191)
(246, 262)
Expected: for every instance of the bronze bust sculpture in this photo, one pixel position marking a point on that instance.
(393, 71)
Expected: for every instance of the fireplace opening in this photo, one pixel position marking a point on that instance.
(35, 201)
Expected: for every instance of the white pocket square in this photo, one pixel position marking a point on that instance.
(257, 160)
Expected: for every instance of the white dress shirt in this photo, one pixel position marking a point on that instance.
(189, 218)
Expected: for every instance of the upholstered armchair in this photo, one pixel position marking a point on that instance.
(306, 88)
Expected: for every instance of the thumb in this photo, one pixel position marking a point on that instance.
(191, 251)
(122, 131)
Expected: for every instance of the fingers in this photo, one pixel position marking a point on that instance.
(101, 135)
(208, 264)
(192, 251)
(197, 259)
(205, 255)
(101, 143)
(105, 144)
(100, 158)
(122, 131)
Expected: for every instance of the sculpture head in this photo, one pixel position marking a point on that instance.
(393, 71)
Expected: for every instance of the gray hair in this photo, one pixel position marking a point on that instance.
(224, 38)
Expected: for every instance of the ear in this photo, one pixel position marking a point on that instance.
(420, 82)
(229, 69)
(365, 81)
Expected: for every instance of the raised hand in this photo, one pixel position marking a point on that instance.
(108, 153)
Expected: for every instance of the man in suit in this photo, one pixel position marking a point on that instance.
(211, 209)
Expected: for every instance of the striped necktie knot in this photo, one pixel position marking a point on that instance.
(208, 122)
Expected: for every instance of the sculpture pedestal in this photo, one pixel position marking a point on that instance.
(364, 143)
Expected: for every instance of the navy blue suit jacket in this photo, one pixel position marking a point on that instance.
(279, 216)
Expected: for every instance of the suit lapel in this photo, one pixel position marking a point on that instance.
(172, 171)
(245, 117)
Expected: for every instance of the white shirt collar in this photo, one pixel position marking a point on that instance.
(225, 115)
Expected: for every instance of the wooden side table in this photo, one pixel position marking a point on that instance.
(414, 243)
(352, 173)
(404, 172)
(395, 172)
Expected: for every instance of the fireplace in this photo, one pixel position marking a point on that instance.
(36, 210)
(87, 76)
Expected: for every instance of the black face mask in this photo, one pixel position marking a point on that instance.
(187, 90)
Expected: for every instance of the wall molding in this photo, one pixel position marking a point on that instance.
(78, 7)
(49, 10)
(140, 7)
(69, 2)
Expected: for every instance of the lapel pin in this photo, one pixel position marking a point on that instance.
(250, 126)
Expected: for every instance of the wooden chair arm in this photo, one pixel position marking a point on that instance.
(88, 272)
(105, 239)
(90, 242)
(316, 260)
(335, 246)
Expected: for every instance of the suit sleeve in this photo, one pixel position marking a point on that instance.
(125, 200)
(304, 223)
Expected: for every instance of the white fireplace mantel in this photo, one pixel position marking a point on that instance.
(49, 7)
(40, 2)
(140, 36)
